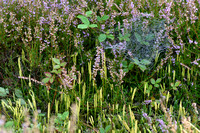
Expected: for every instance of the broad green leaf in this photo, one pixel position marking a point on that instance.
(9, 124)
(65, 115)
(57, 61)
(51, 80)
(63, 64)
(110, 36)
(145, 62)
(158, 80)
(18, 93)
(54, 71)
(88, 13)
(56, 67)
(124, 63)
(125, 70)
(177, 83)
(22, 102)
(136, 61)
(156, 85)
(146, 43)
(48, 74)
(3, 92)
(105, 17)
(93, 25)
(98, 18)
(82, 26)
(84, 19)
(102, 37)
(174, 88)
(102, 130)
(138, 37)
(153, 81)
(130, 66)
(142, 67)
(41, 114)
(45, 80)
(149, 37)
(107, 128)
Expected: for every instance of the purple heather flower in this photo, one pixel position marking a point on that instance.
(147, 102)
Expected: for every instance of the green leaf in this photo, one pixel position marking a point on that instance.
(174, 88)
(54, 71)
(18, 93)
(153, 81)
(105, 17)
(130, 66)
(136, 61)
(51, 80)
(102, 130)
(110, 36)
(142, 67)
(125, 70)
(145, 62)
(22, 102)
(82, 26)
(158, 80)
(124, 63)
(102, 37)
(57, 61)
(98, 18)
(88, 13)
(156, 85)
(48, 74)
(3, 92)
(9, 124)
(107, 128)
(56, 67)
(84, 19)
(149, 37)
(45, 80)
(146, 43)
(138, 37)
(65, 115)
(63, 64)
(93, 25)
(177, 83)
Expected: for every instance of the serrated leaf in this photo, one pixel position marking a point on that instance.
(88, 13)
(110, 36)
(177, 83)
(48, 74)
(149, 37)
(57, 61)
(158, 80)
(3, 92)
(102, 37)
(153, 81)
(138, 37)
(56, 67)
(105, 17)
(84, 19)
(82, 26)
(45, 80)
(93, 25)
(145, 62)
(18, 93)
